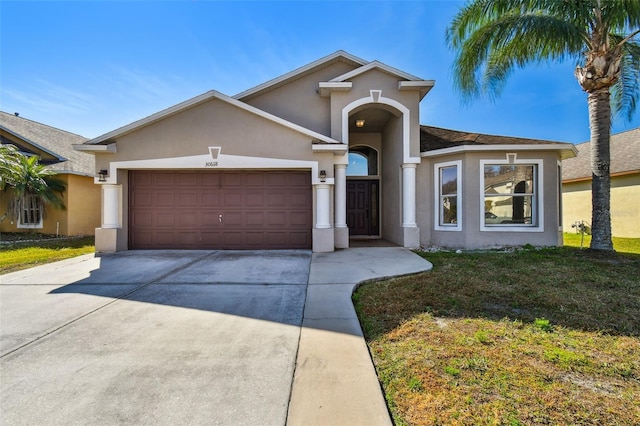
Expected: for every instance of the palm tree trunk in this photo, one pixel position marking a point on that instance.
(600, 124)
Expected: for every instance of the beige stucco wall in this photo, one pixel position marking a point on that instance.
(83, 206)
(192, 131)
(213, 123)
(299, 102)
(471, 235)
(625, 205)
(82, 214)
(391, 185)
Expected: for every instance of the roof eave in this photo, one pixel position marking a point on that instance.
(301, 71)
(566, 150)
(34, 144)
(212, 94)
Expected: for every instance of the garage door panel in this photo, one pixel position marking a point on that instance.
(165, 219)
(188, 199)
(298, 200)
(275, 199)
(188, 179)
(232, 179)
(232, 220)
(141, 218)
(142, 199)
(233, 199)
(167, 178)
(210, 199)
(255, 219)
(210, 179)
(299, 218)
(141, 178)
(254, 179)
(188, 218)
(166, 199)
(276, 219)
(181, 209)
(254, 199)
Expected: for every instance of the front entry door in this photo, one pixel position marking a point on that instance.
(363, 207)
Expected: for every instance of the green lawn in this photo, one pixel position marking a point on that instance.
(621, 245)
(18, 255)
(548, 336)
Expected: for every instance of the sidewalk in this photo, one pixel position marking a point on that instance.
(335, 382)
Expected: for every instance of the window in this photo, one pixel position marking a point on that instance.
(448, 202)
(30, 213)
(363, 161)
(511, 195)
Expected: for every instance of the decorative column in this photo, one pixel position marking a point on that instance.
(410, 230)
(409, 195)
(340, 195)
(323, 238)
(107, 235)
(323, 206)
(341, 232)
(111, 195)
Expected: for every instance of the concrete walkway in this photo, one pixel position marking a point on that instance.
(197, 337)
(335, 382)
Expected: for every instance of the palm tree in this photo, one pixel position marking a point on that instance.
(31, 187)
(492, 37)
(9, 160)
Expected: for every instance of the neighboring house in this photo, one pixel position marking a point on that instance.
(326, 153)
(625, 185)
(76, 169)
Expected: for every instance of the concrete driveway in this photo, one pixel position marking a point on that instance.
(147, 337)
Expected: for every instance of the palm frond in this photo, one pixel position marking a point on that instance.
(489, 54)
(626, 92)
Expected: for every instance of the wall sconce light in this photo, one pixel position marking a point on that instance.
(323, 175)
(359, 123)
(103, 175)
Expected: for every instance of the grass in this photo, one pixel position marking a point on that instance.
(527, 337)
(621, 245)
(17, 254)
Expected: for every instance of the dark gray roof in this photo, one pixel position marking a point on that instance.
(625, 157)
(433, 138)
(57, 142)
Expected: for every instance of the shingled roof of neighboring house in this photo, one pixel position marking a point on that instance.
(625, 157)
(433, 138)
(58, 143)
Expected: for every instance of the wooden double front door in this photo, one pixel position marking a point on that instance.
(363, 207)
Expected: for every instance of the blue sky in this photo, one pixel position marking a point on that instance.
(91, 67)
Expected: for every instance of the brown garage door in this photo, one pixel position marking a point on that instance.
(219, 209)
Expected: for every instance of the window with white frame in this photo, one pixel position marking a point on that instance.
(31, 212)
(448, 190)
(511, 195)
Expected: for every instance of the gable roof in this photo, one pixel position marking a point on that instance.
(411, 81)
(56, 142)
(338, 56)
(625, 157)
(110, 137)
(438, 141)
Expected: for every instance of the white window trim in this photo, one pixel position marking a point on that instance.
(437, 189)
(21, 225)
(559, 196)
(538, 199)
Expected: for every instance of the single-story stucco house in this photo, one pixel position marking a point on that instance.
(54, 147)
(326, 153)
(625, 185)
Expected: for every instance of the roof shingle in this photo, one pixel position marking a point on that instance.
(625, 157)
(56, 141)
